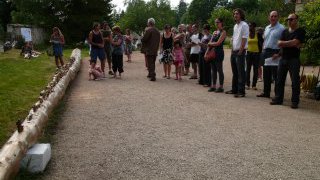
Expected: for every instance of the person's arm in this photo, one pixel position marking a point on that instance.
(62, 41)
(220, 40)
(95, 44)
(146, 36)
(160, 44)
(245, 36)
(117, 43)
(290, 43)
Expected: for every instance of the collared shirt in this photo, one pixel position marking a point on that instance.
(272, 35)
(240, 31)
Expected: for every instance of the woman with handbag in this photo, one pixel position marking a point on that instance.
(217, 42)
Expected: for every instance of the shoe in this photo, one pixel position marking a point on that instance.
(263, 95)
(294, 105)
(153, 79)
(110, 73)
(148, 76)
(212, 89)
(239, 95)
(255, 88)
(164, 76)
(219, 90)
(230, 92)
(260, 80)
(168, 77)
(275, 103)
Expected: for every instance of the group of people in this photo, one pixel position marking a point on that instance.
(110, 45)
(276, 49)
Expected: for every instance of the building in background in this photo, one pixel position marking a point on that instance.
(29, 33)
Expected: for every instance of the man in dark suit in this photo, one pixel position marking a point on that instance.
(150, 42)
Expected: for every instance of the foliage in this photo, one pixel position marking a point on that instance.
(138, 12)
(5, 9)
(226, 15)
(199, 11)
(180, 11)
(74, 17)
(2, 34)
(310, 20)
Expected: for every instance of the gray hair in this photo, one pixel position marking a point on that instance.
(151, 21)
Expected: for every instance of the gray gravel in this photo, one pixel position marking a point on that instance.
(132, 128)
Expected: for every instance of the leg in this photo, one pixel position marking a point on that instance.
(201, 69)
(274, 76)
(169, 69)
(294, 70)
(165, 69)
(267, 73)
(151, 59)
(282, 75)
(56, 60)
(255, 70)
(114, 63)
(241, 74)
(219, 65)
(120, 64)
(207, 73)
(234, 73)
(214, 73)
(249, 65)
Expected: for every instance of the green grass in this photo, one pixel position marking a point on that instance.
(21, 81)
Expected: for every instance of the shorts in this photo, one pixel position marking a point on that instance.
(194, 58)
(97, 53)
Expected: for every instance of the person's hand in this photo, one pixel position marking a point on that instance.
(275, 56)
(101, 45)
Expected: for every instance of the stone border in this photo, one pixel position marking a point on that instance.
(32, 127)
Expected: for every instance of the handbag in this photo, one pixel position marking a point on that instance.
(210, 54)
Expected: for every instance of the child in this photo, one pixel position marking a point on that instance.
(178, 59)
(95, 72)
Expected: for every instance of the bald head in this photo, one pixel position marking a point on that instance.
(273, 18)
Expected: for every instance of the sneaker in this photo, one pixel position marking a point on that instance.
(263, 95)
(230, 92)
(212, 89)
(239, 95)
(294, 105)
(153, 79)
(111, 73)
(219, 90)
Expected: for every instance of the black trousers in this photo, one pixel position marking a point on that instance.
(217, 68)
(238, 72)
(117, 63)
(204, 71)
(151, 59)
(252, 60)
(269, 72)
(293, 66)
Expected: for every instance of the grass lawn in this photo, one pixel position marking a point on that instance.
(21, 81)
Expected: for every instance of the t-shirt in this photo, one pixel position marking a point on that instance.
(292, 52)
(240, 31)
(106, 33)
(195, 49)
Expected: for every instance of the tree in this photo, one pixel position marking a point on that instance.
(199, 11)
(224, 14)
(138, 12)
(180, 11)
(74, 17)
(5, 13)
(310, 20)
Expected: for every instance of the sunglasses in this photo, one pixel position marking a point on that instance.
(290, 19)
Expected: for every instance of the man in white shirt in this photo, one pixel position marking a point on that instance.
(239, 48)
(195, 50)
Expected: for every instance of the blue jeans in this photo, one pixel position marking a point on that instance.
(238, 71)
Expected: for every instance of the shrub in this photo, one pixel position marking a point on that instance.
(227, 17)
(310, 20)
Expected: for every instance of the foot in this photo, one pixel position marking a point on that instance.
(294, 105)
(153, 79)
(263, 95)
(212, 89)
(275, 102)
(219, 90)
(165, 76)
(176, 78)
(230, 92)
(110, 73)
(168, 77)
(239, 95)
(254, 88)
(260, 80)
(248, 87)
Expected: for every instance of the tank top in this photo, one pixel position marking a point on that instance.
(96, 38)
(253, 44)
(215, 38)
(167, 42)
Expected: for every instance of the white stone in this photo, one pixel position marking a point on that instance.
(37, 158)
(1, 48)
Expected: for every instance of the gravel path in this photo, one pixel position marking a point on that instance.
(132, 128)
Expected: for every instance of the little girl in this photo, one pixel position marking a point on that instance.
(95, 72)
(178, 58)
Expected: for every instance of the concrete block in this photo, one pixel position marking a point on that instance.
(37, 158)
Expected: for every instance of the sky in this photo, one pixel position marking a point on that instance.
(119, 3)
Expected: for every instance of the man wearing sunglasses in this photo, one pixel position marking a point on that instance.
(290, 43)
